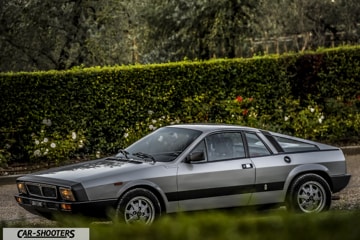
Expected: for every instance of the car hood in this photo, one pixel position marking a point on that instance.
(80, 172)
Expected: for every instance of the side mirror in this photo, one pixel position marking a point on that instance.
(195, 157)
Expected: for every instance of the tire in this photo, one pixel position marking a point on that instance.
(138, 205)
(309, 193)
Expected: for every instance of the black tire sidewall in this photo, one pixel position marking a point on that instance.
(131, 194)
(291, 200)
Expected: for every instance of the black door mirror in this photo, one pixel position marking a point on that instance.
(195, 157)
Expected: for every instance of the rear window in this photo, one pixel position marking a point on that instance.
(290, 145)
(256, 147)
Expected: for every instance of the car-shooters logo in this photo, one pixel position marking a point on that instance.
(46, 233)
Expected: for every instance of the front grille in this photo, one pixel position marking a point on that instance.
(34, 189)
(41, 190)
(49, 192)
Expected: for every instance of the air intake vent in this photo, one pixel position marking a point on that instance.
(42, 190)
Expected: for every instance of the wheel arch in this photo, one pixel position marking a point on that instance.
(153, 188)
(317, 169)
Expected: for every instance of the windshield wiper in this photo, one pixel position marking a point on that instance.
(144, 156)
(117, 158)
(124, 152)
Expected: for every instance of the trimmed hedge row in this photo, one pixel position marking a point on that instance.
(218, 225)
(103, 104)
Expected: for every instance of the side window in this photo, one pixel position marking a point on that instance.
(290, 145)
(256, 147)
(223, 146)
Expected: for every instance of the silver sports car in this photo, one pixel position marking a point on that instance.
(192, 167)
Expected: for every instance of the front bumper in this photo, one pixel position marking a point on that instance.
(45, 207)
(340, 182)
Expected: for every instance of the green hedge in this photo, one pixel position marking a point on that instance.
(103, 104)
(216, 225)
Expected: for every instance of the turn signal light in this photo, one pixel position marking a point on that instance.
(18, 200)
(66, 207)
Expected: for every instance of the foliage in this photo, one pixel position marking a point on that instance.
(44, 35)
(200, 29)
(144, 127)
(290, 93)
(242, 111)
(54, 147)
(63, 34)
(5, 154)
(220, 225)
(308, 123)
(292, 118)
(4, 157)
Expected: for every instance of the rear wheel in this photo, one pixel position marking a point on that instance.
(138, 205)
(309, 193)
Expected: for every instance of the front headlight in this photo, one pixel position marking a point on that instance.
(67, 194)
(21, 187)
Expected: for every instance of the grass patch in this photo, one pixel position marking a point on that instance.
(223, 225)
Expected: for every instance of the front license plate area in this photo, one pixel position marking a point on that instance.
(37, 203)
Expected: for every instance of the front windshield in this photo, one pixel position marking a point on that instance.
(164, 144)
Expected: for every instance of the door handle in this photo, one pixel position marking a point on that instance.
(247, 166)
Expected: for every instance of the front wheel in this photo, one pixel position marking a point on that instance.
(308, 194)
(138, 205)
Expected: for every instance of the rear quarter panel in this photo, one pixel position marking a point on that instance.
(330, 162)
(274, 170)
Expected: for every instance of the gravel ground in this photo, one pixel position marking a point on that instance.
(349, 197)
(10, 211)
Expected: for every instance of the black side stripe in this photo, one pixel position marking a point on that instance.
(224, 191)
